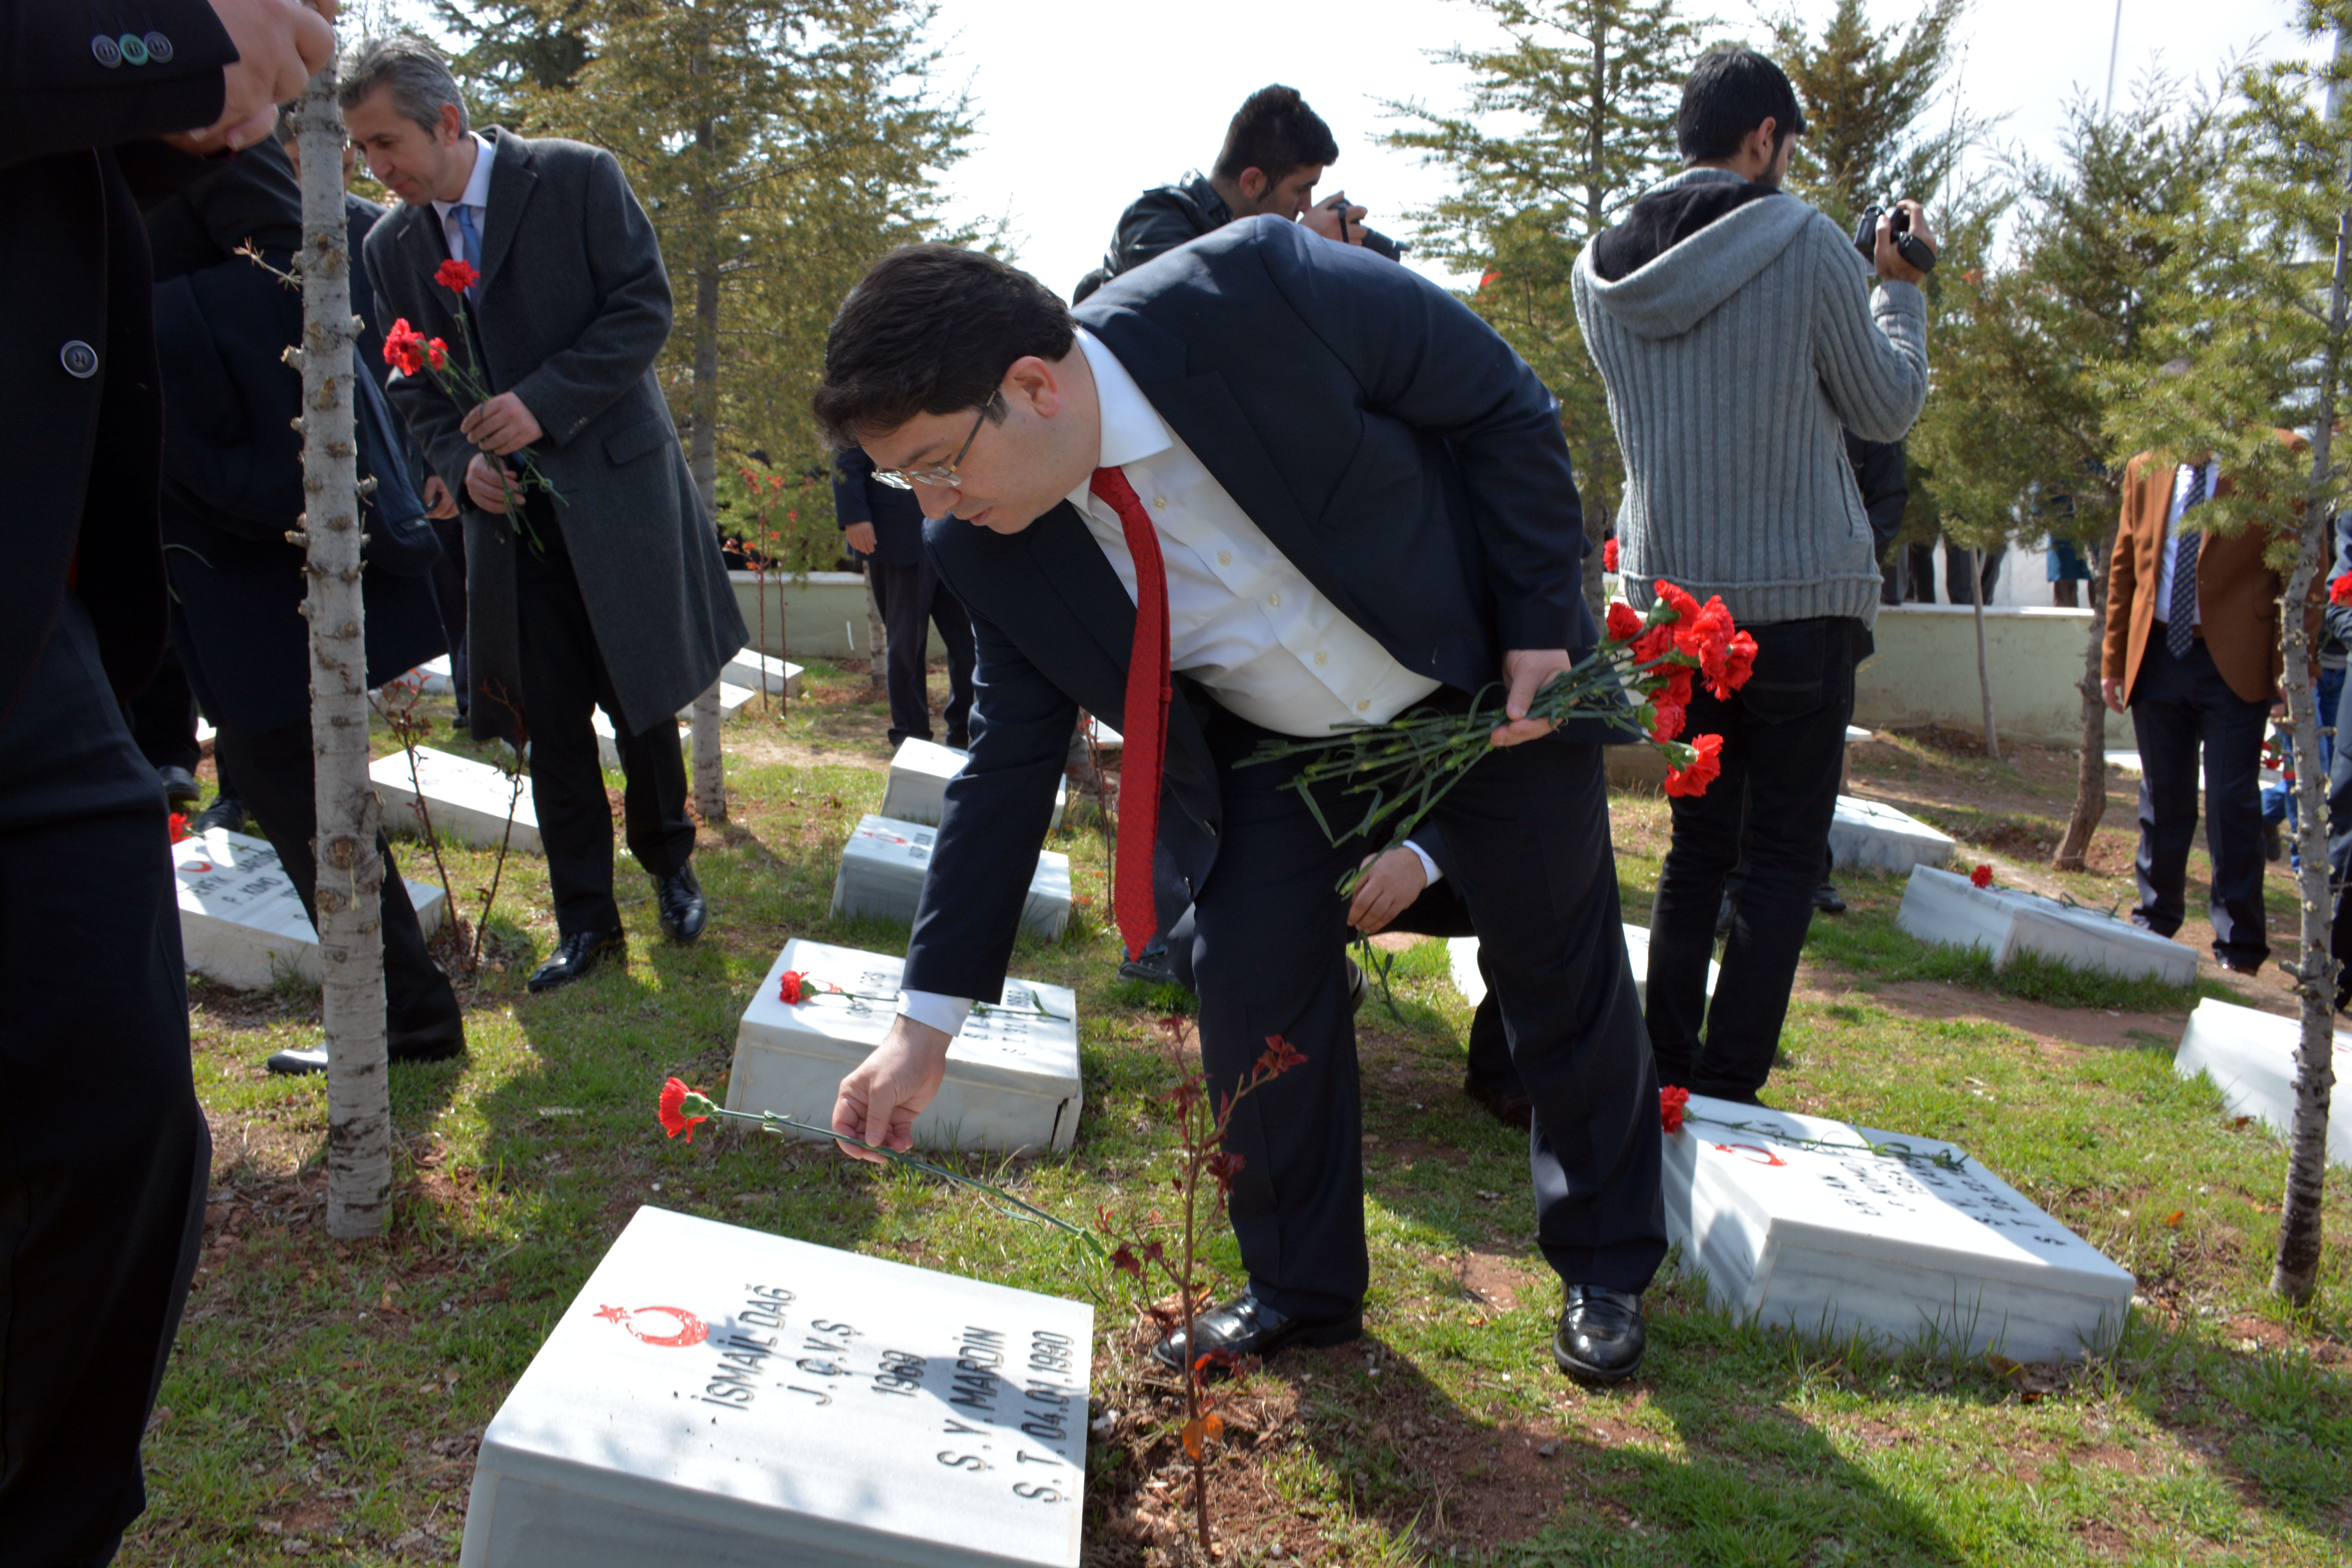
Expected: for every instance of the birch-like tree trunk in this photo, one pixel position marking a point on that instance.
(2091, 770)
(351, 872)
(1984, 673)
(703, 457)
(2295, 1273)
(877, 640)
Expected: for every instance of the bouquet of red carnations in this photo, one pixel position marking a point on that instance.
(1642, 676)
(411, 352)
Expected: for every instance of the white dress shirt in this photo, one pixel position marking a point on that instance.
(1241, 620)
(2182, 477)
(477, 195)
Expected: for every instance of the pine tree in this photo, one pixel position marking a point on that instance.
(1589, 90)
(1872, 99)
(2256, 299)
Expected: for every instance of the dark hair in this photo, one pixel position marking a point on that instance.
(412, 67)
(1276, 133)
(930, 330)
(1731, 93)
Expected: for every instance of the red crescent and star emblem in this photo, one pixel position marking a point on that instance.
(1752, 1153)
(688, 1330)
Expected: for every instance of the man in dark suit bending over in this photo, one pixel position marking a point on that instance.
(1309, 487)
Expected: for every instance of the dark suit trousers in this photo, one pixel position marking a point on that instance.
(1783, 753)
(163, 718)
(278, 779)
(101, 1205)
(1529, 829)
(563, 677)
(2176, 703)
(912, 601)
(449, 596)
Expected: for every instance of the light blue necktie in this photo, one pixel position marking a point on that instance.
(2180, 624)
(472, 239)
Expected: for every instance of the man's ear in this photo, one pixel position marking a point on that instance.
(1034, 382)
(451, 131)
(1252, 184)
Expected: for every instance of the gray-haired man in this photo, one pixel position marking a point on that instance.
(617, 597)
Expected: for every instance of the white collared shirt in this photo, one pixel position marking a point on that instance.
(1242, 619)
(2181, 479)
(477, 195)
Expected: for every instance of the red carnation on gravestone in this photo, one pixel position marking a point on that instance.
(1609, 555)
(179, 826)
(793, 989)
(673, 1110)
(1704, 766)
(1981, 876)
(456, 276)
(2339, 592)
(1671, 1102)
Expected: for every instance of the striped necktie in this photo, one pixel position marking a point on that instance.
(2181, 624)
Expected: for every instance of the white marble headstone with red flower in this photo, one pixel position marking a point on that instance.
(241, 923)
(1951, 910)
(721, 1398)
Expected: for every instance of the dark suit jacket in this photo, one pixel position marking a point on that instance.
(1384, 439)
(1886, 491)
(574, 309)
(80, 452)
(233, 463)
(2237, 593)
(895, 514)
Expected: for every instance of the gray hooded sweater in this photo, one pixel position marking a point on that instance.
(1733, 359)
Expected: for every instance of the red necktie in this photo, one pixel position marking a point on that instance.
(1144, 726)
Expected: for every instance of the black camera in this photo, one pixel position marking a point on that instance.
(1908, 246)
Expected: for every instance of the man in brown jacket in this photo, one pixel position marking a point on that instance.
(2193, 646)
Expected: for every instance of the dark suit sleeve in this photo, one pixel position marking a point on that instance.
(613, 355)
(1885, 493)
(851, 470)
(56, 95)
(1421, 357)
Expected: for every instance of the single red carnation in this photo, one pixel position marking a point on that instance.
(1670, 722)
(1677, 687)
(1981, 876)
(1739, 664)
(674, 1119)
(1671, 1102)
(404, 348)
(179, 826)
(1655, 644)
(436, 353)
(2340, 590)
(1705, 767)
(456, 276)
(1609, 555)
(795, 988)
(1624, 623)
(1685, 608)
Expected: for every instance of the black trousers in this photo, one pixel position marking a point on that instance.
(1783, 753)
(563, 677)
(102, 1202)
(2175, 704)
(163, 718)
(1528, 831)
(912, 601)
(449, 596)
(277, 777)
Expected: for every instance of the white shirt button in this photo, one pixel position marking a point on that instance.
(1322, 657)
(1160, 501)
(1366, 703)
(1274, 600)
(1224, 557)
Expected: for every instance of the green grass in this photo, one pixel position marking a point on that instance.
(327, 1396)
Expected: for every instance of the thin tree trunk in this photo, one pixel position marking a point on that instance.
(2091, 773)
(1596, 517)
(351, 872)
(703, 457)
(1984, 676)
(877, 641)
(2295, 1273)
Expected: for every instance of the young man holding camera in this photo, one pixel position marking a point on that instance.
(1736, 332)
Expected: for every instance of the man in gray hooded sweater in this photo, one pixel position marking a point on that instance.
(1738, 334)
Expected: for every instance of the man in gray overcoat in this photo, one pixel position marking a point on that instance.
(615, 594)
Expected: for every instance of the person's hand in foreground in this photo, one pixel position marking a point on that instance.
(279, 45)
(1525, 672)
(883, 1094)
(2112, 689)
(1395, 881)
(1888, 260)
(501, 427)
(439, 504)
(1323, 218)
(488, 483)
(859, 536)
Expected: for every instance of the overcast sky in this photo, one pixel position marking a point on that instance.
(1083, 103)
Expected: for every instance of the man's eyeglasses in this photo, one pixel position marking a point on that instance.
(941, 476)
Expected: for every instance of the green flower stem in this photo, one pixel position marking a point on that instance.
(1944, 1159)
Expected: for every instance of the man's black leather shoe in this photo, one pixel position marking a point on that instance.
(1827, 900)
(1152, 966)
(574, 958)
(1246, 1326)
(684, 912)
(435, 1033)
(226, 812)
(180, 788)
(1602, 1335)
(1511, 1107)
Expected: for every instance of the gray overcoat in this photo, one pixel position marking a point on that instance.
(573, 310)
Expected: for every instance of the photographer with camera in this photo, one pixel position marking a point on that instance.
(1276, 151)
(1737, 332)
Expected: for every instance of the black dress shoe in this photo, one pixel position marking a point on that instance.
(1511, 1107)
(430, 1034)
(180, 788)
(575, 957)
(684, 912)
(227, 812)
(1602, 1335)
(1827, 900)
(1246, 1326)
(1152, 966)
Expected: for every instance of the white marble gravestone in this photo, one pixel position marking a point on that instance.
(1944, 907)
(1872, 835)
(764, 674)
(917, 791)
(725, 1398)
(435, 678)
(1462, 958)
(1838, 1240)
(1012, 1076)
(465, 799)
(1855, 735)
(885, 860)
(242, 923)
(2249, 1057)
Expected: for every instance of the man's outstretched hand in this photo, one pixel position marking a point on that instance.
(488, 484)
(1525, 672)
(883, 1095)
(279, 45)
